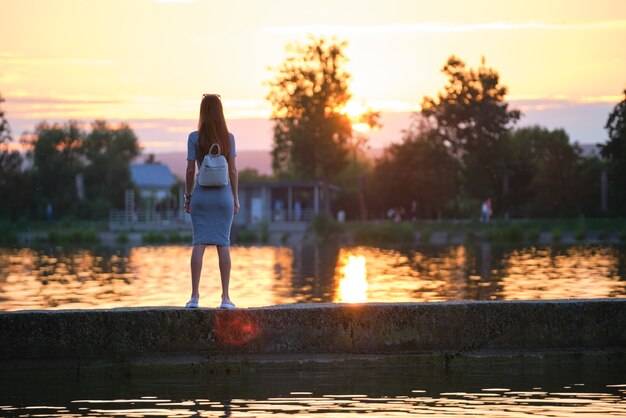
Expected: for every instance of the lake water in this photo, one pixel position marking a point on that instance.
(99, 277)
(557, 390)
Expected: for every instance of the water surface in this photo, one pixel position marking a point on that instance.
(549, 390)
(55, 278)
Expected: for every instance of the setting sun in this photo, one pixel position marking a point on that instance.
(361, 127)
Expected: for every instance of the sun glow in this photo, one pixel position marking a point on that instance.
(353, 281)
(361, 127)
(355, 111)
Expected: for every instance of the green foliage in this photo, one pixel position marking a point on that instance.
(614, 151)
(56, 162)
(247, 236)
(533, 234)
(353, 182)
(177, 237)
(109, 152)
(307, 96)
(73, 236)
(472, 117)
(16, 189)
(252, 175)
(509, 232)
(264, 235)
(548, 174)
(157, 237)
(557, 234)
(580, 233)
(8, 234)
(122, 238)
(385, 233)
(62, 154)
(324, 226)
(152, 237)
(421, 169)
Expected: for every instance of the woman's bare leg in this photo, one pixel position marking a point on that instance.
(197, 253)
(223, 253)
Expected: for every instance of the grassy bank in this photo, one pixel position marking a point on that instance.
(369, 233)
(514, 231)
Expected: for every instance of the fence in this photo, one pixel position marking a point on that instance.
(147, 219)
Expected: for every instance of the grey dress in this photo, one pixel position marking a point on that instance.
(211, 208)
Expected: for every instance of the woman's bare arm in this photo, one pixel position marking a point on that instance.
(189, 180)
(234, 181)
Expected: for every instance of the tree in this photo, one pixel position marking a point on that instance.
(14, 183)
(471, 116)
(549, 176)
(614, 151)
(419, 168)
(311, 132)
(109, 152)
(56, 162)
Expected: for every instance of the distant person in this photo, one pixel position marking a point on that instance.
(297, 208)
(485, 211)
(414, 212)
(49, 211)
(212, 208)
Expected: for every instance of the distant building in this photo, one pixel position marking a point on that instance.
(154, 181)
(156, 206)
(283, 206)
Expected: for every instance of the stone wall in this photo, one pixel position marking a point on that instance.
(75, 338)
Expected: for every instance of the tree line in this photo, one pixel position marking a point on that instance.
(67, 172)
(462, 147)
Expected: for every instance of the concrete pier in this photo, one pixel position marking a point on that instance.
(161, 336)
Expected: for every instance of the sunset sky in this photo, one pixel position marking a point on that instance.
(148, 62)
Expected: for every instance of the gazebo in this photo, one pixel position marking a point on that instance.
(282, 202)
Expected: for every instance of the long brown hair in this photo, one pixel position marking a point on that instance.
(212, 127)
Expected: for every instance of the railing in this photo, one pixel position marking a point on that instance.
(141, 219)
(285, 215)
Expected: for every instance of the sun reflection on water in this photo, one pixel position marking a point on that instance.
(353, 279)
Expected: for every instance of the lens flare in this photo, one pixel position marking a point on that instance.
(235, 328)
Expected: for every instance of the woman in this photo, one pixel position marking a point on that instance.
(211, 208)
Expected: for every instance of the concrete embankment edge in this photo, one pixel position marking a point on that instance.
(306, 335)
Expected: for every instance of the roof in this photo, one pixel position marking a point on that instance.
(152, 175)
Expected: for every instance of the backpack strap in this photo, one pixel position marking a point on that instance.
(218, 149)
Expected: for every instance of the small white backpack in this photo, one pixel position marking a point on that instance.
(214, 169)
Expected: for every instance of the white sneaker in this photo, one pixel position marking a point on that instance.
(227, 305)
(193, 303)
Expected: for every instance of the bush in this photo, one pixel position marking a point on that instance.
(153, 237)
(8, 235)
(177, 237)
(246, 235)
(388, 232)
(265, 232)
(73, 236)
(533, 234)
(324, 226)
(556, 234)
(580, 234)
(122, 238)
